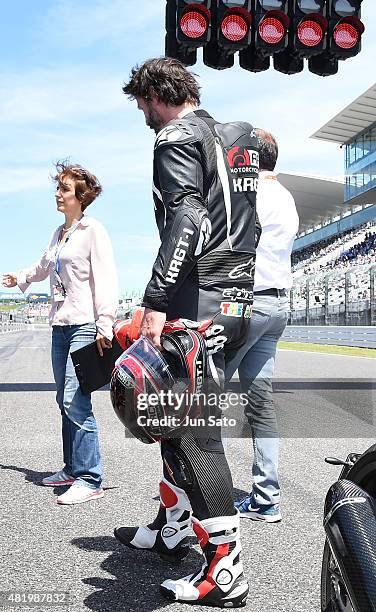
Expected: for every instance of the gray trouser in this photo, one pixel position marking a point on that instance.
(269, 319)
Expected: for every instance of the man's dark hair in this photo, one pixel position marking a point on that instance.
(268, 149)
(167, 79)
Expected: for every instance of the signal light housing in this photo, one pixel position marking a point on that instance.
(346, 37)
(323, 65)
(322, 31)
(345, 28)
(272, 30)
(310, 36)
(310, 33)
(235, 27)
(271, 26)
(193, 23)
(234, 21)
(173, 48)
(231, 20)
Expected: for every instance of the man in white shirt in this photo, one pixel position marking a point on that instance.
(279, 221)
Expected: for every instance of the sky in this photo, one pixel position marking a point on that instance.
(62, 66)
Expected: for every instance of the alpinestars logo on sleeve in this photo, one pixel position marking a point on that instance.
(173, 133)
(204, 236)
(244, 269)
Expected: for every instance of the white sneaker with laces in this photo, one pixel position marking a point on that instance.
(60, 479)
(78, 494)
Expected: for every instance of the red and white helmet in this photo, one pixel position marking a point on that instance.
(153, 392)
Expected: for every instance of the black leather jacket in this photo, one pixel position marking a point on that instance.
(205, 183)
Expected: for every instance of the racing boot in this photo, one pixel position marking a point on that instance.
(168, 534)
(220, 582)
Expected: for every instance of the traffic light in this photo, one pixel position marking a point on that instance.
(232, 21)
(193, 23)
(343, 37)
(289, 31)
(269, 34)
(307, 35)
(310, 26)
(345, 28)
(271, 25)
(234, 24)
(188, 26)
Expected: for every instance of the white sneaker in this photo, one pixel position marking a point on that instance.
(60, 479)
(78, 494)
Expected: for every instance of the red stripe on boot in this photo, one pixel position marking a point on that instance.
(222, 551)
(168, 496)
(209, 583)
(205, 587)
(201, 533)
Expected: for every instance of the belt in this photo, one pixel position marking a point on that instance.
(275, 292)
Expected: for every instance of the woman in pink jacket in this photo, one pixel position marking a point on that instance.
(80, 264)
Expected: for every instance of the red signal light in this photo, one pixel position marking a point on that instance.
(346, 36)
(310, 33)
(193, 24)
(272, 30)
(234, 27)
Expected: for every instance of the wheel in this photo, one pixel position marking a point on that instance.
(334, 597)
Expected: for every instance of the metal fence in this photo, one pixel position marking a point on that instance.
(338, 297)
(338, 335)
(11, 321)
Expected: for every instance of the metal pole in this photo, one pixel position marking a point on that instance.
(307, 299)
(347, 297)
(326, 299)
(372, 295)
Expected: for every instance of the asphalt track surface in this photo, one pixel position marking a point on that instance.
(45, 547)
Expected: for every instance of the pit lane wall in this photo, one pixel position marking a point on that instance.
(341, 335)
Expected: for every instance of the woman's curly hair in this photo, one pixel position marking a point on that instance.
(87, 186)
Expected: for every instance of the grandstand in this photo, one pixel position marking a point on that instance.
(354, 248)
(338, 273)
(334, 256)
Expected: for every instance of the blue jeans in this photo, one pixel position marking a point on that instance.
(256, 369)
(81, 451)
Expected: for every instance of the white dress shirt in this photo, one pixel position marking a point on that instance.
(87, 272)
(280, 222)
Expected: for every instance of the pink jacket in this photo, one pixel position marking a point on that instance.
(87, 271)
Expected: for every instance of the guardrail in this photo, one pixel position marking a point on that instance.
(339, 335)
(11, 326)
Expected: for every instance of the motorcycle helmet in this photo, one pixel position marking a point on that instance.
(154, 393)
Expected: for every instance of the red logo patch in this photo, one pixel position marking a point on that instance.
(238, 157)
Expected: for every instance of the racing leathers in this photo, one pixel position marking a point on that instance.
(204, 185)
(204, 199)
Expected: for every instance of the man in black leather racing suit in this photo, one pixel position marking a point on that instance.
(205, 182)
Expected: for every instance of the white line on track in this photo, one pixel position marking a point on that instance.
(326, 354)
(16, 346)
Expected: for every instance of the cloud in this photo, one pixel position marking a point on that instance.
(97, 127)
(81, 24)
(126, 243)
(119, 160)
(14, 180)
(62, 97)
(47, 96)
